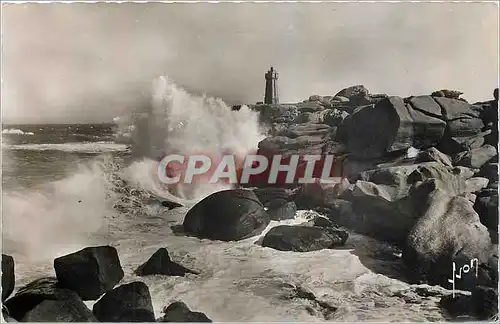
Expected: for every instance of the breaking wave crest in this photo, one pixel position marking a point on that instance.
(178, 122)
(14, 131)
(100, 198)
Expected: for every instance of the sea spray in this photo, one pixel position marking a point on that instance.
(101, 197)
(178, 122)
(59, 216)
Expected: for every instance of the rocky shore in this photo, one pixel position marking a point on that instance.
(420, 173)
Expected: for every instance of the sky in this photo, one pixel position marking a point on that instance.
(90, 62)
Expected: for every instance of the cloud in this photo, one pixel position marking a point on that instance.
(90, 62)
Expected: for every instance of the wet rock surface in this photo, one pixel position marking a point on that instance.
(8, 276)
(161, 264)
(304, 238)
(127, 303)
(90, 272)
(179, 312)
(229, 215)
(43, 300)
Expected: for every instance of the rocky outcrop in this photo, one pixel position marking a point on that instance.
(476, 158)
(285, 211)
(422, 174)
(449, 231)
(271, 114)
(454, 145)
(278, 201)
(8, 276)
(462, 119)
(161, 264)
(179, 312)
(486, 205)
(391, 125)
(228, 215)
(304, 238)
(482, 304)
(126, 303)
(433, 155)
(310, 129)
(452, 94)
(320, 193)
(356, 95)
(334, 117)
(89, 272)
(386, 203)
(43, 300)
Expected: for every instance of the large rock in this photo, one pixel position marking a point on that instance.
(486, 206)
(320, 193)
(295, 131)
(433, 154)
(476, 158)
(90, 272)
(476, 184)
(377, 212)
(322, 100)
(310, 106)
(489, 171)
(287, 146)
(44, 301)
(449, 231)
(357, 95)
(161, 264)
(285, 211)
(304, 238)
(310, 117)
(485, 301)
(453, 94)
(228, 215)
(179, 312)
(352, 167)
(270, 197)
(126, 303)
(8, 276)
(334, 117)
(270, 114)
(387, 202)
(489, 117)
(319, 221)
(390, 126)
(462, 118)
(482, 304)
(60, 312)
(454, 145)
(278, 201)
(490, 114)
(426, 105)
(400, 178)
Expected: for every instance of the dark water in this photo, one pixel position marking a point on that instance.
(35, 154)
(58, 133)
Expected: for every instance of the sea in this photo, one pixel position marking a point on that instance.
(69, 186)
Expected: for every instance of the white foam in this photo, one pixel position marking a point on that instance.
(42, 222)
(178, 122)
(14, 131)
(89, 147)
(412, 152)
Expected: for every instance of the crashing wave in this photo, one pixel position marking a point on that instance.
(177, 122)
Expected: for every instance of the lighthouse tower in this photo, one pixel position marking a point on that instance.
(271, 94)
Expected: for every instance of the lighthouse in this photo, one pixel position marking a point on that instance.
(271, 94)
